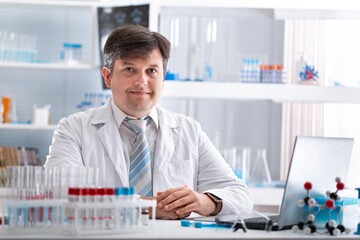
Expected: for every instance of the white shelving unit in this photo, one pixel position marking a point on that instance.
(55, 66)
(260, 91)
(27, 127)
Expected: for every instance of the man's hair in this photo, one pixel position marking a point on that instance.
(134, 41)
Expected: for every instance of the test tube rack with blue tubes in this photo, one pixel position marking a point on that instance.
(67, 201)
(35, 197)
(92, 211)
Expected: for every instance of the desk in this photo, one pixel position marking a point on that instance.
(166, 229)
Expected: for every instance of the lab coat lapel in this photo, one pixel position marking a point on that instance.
(111, 141)
(165, 145)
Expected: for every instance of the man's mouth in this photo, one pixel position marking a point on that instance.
(141, 92)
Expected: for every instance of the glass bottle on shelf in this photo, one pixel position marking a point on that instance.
(260, 173)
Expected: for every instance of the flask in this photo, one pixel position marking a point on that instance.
(260, 173)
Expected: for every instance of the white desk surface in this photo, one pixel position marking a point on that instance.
(166, 229)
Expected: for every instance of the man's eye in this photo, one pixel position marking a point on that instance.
(152, 71)
(129, 69)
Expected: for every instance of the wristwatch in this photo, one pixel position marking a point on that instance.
(218, 203)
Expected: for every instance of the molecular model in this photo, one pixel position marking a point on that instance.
(312, 208)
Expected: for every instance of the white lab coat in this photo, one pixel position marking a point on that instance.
(184, 155)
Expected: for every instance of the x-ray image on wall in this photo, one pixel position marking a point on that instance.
(112, 17)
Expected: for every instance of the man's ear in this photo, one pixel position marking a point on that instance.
(106, 75)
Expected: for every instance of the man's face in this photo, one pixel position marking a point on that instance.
(136, 83)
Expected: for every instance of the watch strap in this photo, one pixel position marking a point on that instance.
(218, 203)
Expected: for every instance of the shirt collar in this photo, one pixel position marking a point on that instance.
(119, 115)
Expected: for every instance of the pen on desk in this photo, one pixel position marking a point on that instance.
(211, 225)
(237, 226)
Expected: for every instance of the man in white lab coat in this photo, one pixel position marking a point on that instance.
(188, 173)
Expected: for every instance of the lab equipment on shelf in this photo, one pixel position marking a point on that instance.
(17, 47)
(41, 115)
(8, 110)
(238, 159)
(72, 52)
(91, 100)
(253, 71)
(260, 172)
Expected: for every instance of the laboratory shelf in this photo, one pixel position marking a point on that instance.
(280, 4)
(19, 126)
(49, 2)
(53, 66)
(261, 91)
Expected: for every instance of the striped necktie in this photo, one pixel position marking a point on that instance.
(140, 160)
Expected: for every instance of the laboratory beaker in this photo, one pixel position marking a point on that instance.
(239, 159)
(72, 52)
(260, 173)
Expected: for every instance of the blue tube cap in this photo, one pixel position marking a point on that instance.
(185, 223)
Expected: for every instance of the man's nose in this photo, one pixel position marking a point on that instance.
(142, 80)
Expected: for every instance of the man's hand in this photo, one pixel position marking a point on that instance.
(162, 213)
(183, 201)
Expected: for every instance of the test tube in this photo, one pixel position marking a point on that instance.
(73, 196)
(84, 211)
(12, 183)
(124, 210)
(93, 210)
(53, 194)
(47, 194)
(108, 197)
(118, 211)
(133, 211)
(63, 182)
(101, 211)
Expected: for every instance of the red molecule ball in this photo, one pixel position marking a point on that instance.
(308, 186)
(340, 186)
(330, 203)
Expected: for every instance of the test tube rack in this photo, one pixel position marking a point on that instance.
(31, 216)
(118, 216)
(75, 218)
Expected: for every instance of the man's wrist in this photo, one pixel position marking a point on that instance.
(217, 201)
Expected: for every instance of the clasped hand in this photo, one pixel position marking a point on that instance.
(178, 203)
